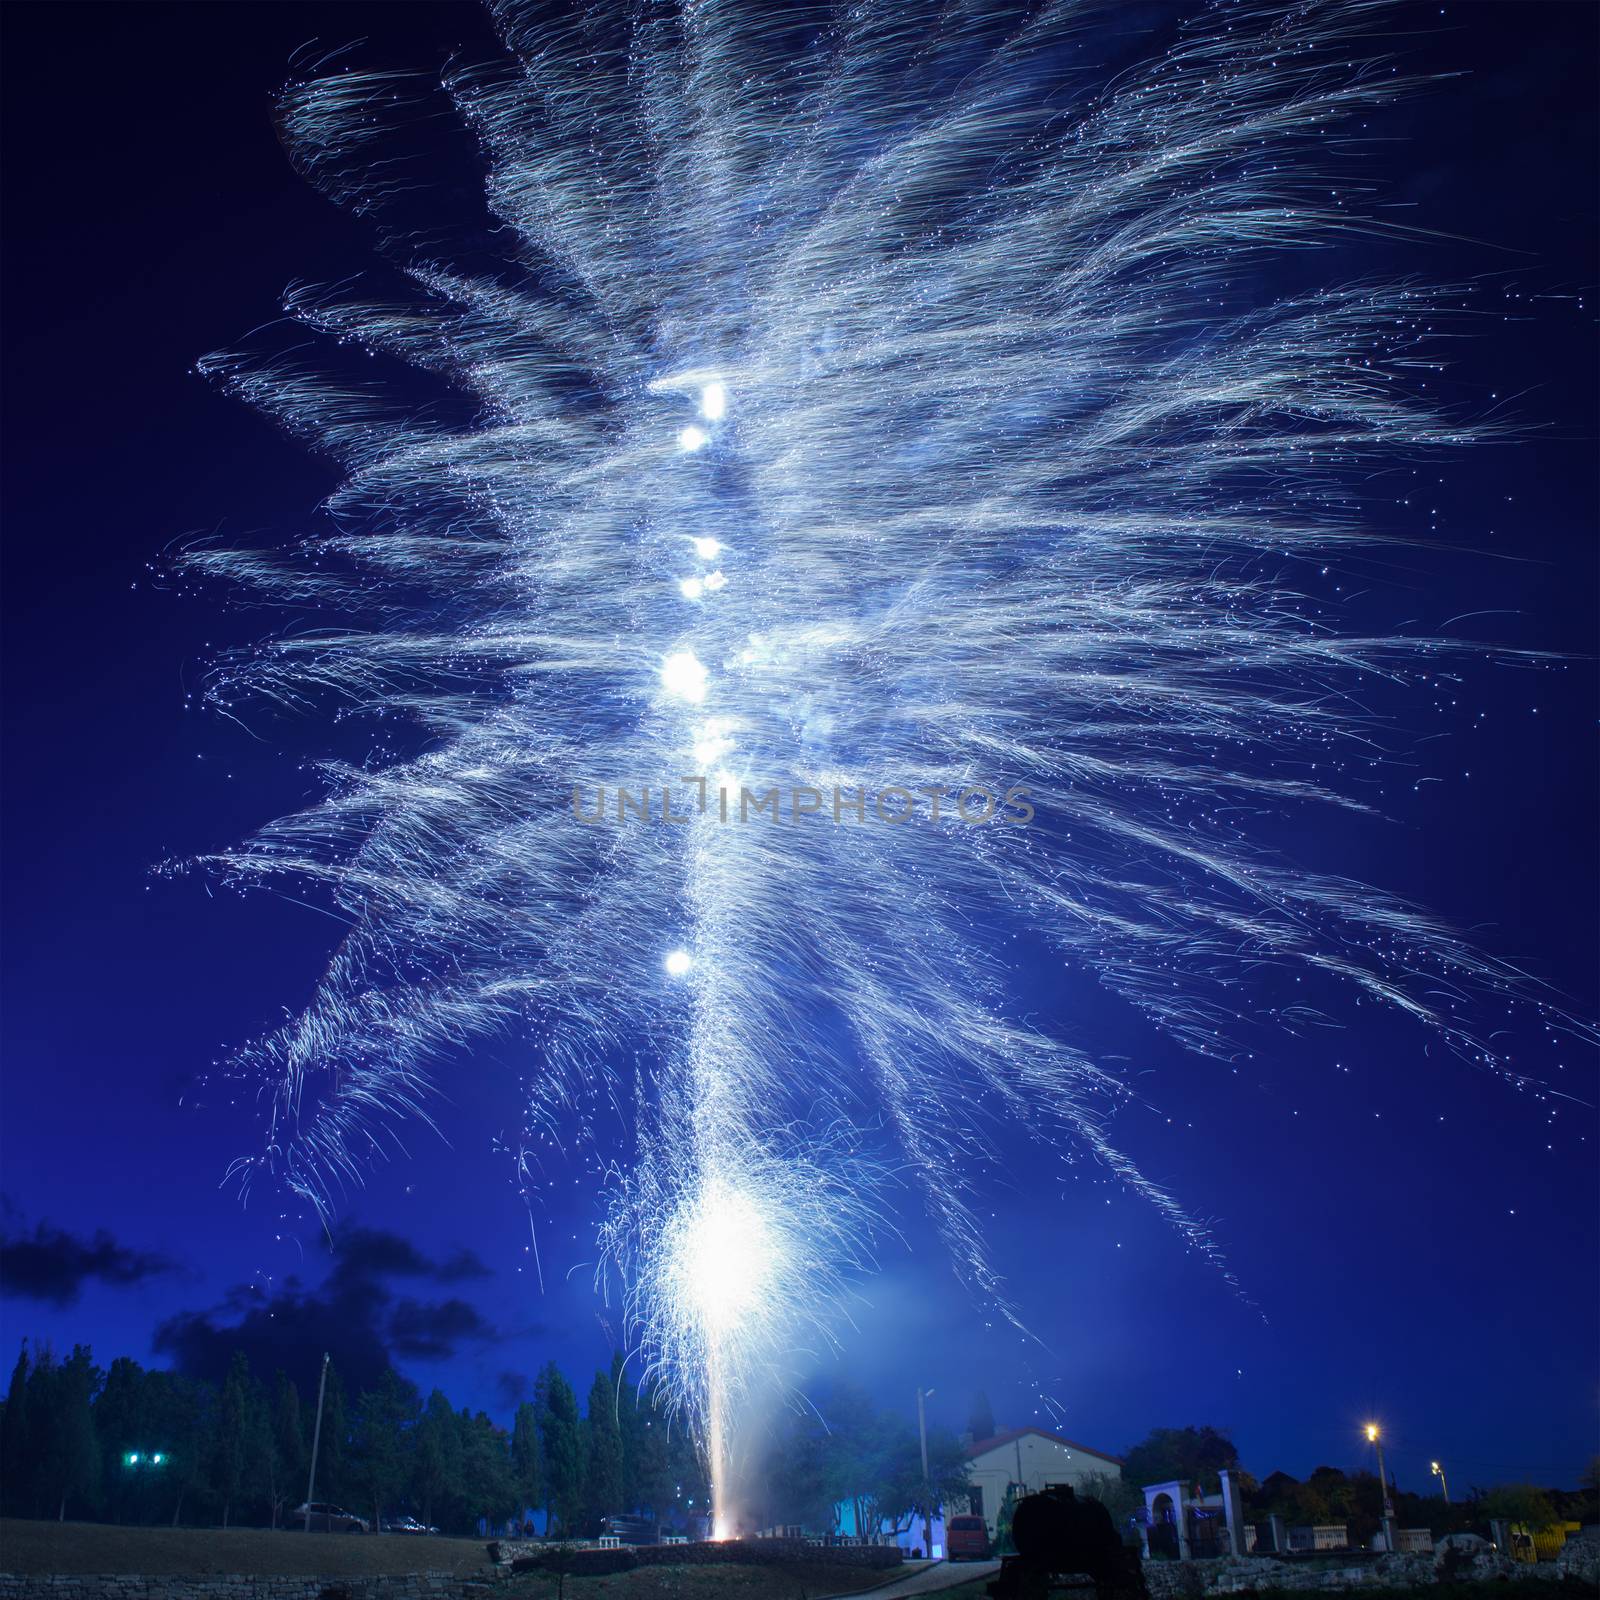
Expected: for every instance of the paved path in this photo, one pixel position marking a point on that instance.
(930, 1580)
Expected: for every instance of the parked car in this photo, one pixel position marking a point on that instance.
(329, 1519)
(406, 1525)
(967, 1538)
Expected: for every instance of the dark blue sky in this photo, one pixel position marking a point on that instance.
(1419, 1238)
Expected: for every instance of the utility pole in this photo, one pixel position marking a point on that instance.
(316, 1439)
(927, 1488)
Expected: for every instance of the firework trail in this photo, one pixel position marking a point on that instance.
(859, 399)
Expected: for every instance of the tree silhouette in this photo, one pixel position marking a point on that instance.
(436, 1468)
(602, 1457)
(1187, 1455)
(526, 1466)
(559, 1432)
(382, 1439)
(16, 1455)
(67, 1458)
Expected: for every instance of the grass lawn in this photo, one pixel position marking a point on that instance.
(719, 1581)
(63, 1547)
(41, 1547)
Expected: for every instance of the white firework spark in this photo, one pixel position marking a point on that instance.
(865, 397)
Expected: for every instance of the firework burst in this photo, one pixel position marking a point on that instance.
(872, 410)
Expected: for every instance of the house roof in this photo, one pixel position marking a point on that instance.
(981, 1447)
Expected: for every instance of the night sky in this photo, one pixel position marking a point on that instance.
(1415, 1239)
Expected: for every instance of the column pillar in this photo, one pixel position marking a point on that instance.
(1233, 1510)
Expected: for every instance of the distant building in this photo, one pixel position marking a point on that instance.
(1321, 1536)
(1181, 1520)
(909, 1537)
(1032, 1459)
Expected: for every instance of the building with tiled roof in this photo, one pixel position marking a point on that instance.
(1031, 1458)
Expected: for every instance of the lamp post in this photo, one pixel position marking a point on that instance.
(1388, 1505)
(1444, 1486)
(927, 1489)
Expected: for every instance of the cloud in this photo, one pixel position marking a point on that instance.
(512, 1388)
(460, 1267)
(53, 1265)
(353, 1316)
(289, 1328)
(363, 1253)
(432, 1332)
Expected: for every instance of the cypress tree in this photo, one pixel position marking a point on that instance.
(287, 1451)
(559, 1432)
(68, 1458)
(526, 1466)
(230, 1439)
(602, 1467)
(436, 1466)
(16, 1464)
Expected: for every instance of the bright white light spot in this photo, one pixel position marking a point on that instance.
(709, 747)
(715, 581)
(678, 962)
(707, 549)
(693, 438)
(711, 742)
(726, 1256)
(683, 676)
(691, 588)
(714, 402)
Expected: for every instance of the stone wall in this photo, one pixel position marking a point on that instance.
(580, 1562)
(1190, 1580)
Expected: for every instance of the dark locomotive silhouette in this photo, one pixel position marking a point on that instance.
(1066, 1543)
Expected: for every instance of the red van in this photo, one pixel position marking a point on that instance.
(967, 1539)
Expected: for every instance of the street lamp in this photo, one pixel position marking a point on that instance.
(1444, 1486)
(927, 1489)
(1388, 1504)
